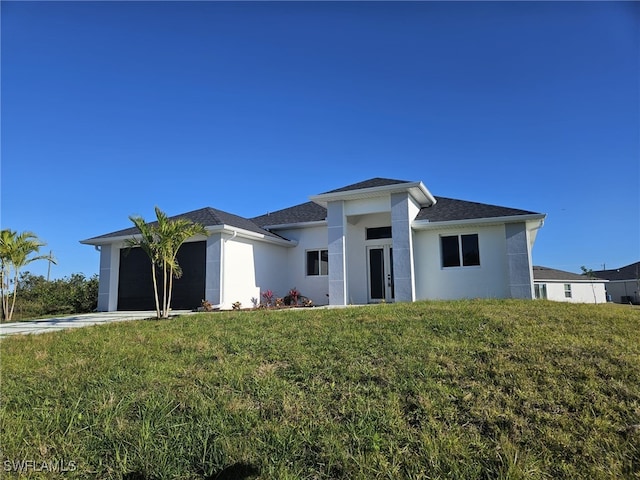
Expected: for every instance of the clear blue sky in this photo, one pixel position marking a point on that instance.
(109, 109)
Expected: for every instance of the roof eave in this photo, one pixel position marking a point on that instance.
(290, 226)
(230, 229)
(248, 234)
(426, 224)
(570, 280)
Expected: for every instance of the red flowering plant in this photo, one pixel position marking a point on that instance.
(268, 297)
(294, 294)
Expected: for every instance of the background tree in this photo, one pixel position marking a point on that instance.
(591, 276)
(16, 252)
(161, 241)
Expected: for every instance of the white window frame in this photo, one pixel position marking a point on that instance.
(460, 251)
(567, 291)
(541, 291)
(306, 262)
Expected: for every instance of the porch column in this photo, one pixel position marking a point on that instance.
(520, 276)
(336, 231)
(403, 275)
(212, 282)
(108, 279)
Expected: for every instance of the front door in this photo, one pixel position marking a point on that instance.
(380, 263)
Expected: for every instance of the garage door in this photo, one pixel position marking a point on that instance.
(135, 288)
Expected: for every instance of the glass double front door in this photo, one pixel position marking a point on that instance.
(380, 270)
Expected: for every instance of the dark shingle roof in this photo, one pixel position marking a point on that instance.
(447, 209)
(371, 183)
(545, 273)
(630, 272)
(305, 212)
(206, 216)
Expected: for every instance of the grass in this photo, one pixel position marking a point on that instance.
(431, 390)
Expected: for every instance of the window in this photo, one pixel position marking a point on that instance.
(567, 290)
(378, 232)
(460, 250)
(317, 262)
(541, 290)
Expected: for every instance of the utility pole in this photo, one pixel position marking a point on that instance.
(50, 259)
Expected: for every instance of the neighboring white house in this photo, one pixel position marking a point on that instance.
(624, 283)
(377, 240)
(560, 286)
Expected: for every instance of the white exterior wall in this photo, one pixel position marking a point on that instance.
(488, 280)
(315, 287)
(250, 268)
(581, 292)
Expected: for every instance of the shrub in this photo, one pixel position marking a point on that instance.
(292, 298)
(40, 297)
(268, 298)
(207, 306)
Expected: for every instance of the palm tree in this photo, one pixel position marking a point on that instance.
(161, 241)
(16, 251)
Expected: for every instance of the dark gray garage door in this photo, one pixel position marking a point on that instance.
(135, 288)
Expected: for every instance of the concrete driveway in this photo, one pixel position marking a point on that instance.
(74, 321)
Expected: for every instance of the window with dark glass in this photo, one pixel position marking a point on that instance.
(317, 262)
(470, 250)
(376, 233)
(450, 251)
(460, 250)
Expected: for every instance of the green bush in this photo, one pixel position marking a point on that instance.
(38, 297)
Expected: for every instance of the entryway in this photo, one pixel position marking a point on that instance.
(380, 273)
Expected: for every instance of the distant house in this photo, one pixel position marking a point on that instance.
(380, 240)
(561, 286)
(624, 283)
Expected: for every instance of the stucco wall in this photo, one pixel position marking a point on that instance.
(618, 289)
(249, 268)
(580, 292)
(488, 280)
(108, 279)
(315, 287)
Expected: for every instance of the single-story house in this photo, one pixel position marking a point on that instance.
(624, 283)
(561, 286)
(379, 240)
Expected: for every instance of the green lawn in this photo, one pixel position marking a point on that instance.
(470, 389)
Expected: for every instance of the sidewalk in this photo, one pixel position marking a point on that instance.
(74, 321)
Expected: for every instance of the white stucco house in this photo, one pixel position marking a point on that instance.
(624, 283)
(373, 241)
(561, 286)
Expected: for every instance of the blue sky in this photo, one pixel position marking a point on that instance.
(111, 108)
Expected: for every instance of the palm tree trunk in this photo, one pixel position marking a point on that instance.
(170, 292)
(165, 314)
(3, 307)
(13, 300)
(155, 288)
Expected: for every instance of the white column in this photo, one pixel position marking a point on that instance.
(336, 231)
(403, 274)
(519, 269)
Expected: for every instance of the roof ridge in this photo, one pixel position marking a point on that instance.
(369, 183)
